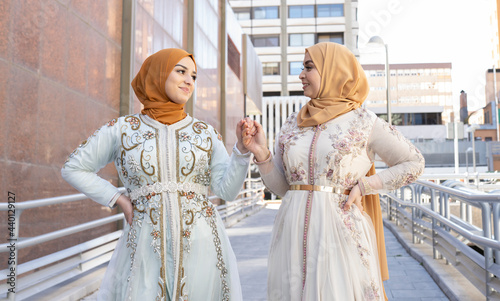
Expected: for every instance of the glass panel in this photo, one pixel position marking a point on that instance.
(272, 42)
(294, 12)
(301, 11)
(308, 39)
(270, 68)
(308, 12)
(330, 10)
(295, 68)
(272, 12)
(295, 39)
(266, 12)
(265, 41)
(259, 13)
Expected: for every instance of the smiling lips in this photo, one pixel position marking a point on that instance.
(304, 86)
(186, 90)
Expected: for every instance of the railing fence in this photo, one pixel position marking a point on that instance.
(48, 271)
(423, 209)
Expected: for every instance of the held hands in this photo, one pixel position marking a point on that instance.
(354, 197)
(254, 140)
(243, 128)
(126, 206)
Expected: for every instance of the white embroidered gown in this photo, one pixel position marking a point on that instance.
(177, 247)
(318, 251)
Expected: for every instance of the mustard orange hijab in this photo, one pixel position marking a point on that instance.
(343, 88)
(149, 86)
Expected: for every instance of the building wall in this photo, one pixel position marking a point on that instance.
(490, 84)
(60, 70)
(59, 81)
(412, 85)
(284, 83)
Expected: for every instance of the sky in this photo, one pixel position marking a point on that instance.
(432, 31)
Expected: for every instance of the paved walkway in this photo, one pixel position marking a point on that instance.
(250, 238)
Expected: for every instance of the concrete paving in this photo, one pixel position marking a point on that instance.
(250, 239)
(409, 280)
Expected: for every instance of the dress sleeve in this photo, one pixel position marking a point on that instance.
(227, 172)
(405, 161)
(80, 170)
(273, 173)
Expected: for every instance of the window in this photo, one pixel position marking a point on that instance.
(331, 37)
(233, 57)
(266, 41)
(301, 11)
(301, 39)
(295, 68)
(271, 93)
(271, 68)
(296, 93)
(414, 118)
(330, 10)
(242, 13)
(265, 12)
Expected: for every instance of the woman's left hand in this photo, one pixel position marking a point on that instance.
(354, 197)
(243, 128)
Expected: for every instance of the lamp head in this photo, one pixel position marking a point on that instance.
(376, 40)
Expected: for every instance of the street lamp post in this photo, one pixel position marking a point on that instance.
(376, 40)
(472, 129)
(469, 150)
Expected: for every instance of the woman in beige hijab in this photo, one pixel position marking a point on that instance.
(324, 246)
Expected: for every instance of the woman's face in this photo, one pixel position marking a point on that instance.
(311, 80)
(179, 85)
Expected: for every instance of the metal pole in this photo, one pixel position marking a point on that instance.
(473, 153)
(455, 144)
(496, 100)
(388, 84)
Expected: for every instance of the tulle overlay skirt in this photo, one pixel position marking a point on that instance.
(136, 276)
(341, 256)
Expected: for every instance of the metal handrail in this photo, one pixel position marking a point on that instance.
(427, 210)
(246, 198)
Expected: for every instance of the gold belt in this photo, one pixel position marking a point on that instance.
(320, 188)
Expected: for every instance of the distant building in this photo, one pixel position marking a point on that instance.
(281, 30)
(420, 93)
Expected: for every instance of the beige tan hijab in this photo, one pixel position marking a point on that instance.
(343, 88)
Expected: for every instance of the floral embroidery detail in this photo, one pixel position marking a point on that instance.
(203, 179)
(372, 292)
(186, 234)
(403, 180)
(124, 172)
(209, 211)
(290, 133)
(133, 165)
(414, 171)
(112, 122)
(155, 234)
(134, 121)
(148, 135)
(184, 136)
(297, 174)
(200, 125)
(350, 221)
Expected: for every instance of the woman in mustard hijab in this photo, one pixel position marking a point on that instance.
(174, 245)
(324, 246)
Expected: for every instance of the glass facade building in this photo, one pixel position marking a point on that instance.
(65, 70)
